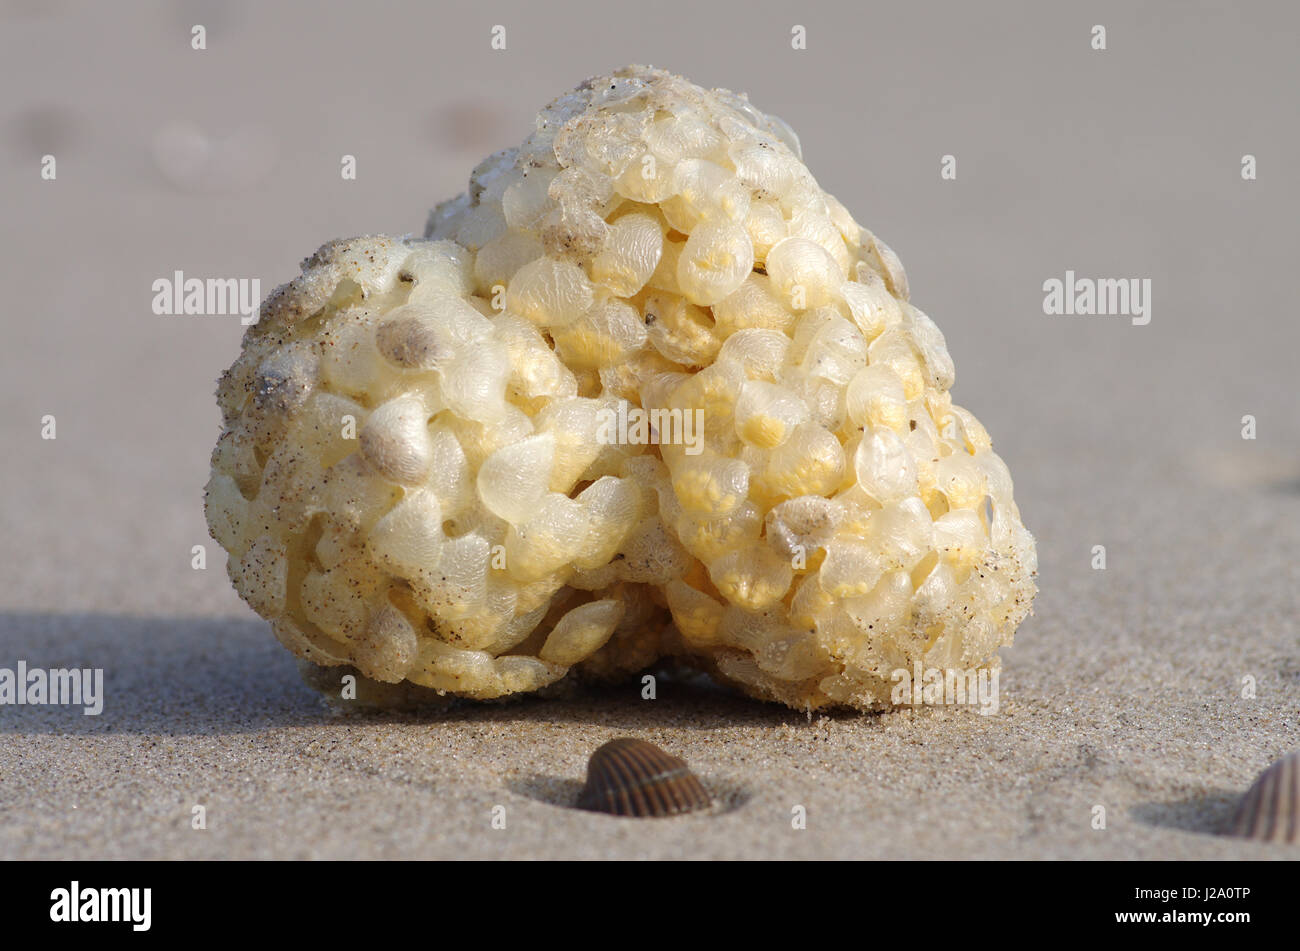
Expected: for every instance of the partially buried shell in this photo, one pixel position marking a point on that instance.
(629, 777)
(1270, 810)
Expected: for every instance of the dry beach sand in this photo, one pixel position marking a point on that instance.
(1124, 690)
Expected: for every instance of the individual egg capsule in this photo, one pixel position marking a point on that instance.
(710, 538)
(389, 646)
(894, 349)
(261, 575)
(904, 533)
(875, 399)
(852, 567)
(627, 380)
(932, 347)
(536, 373)
(630, 255)
(710, 485)
(752, 577)
(882, 257)
(553, 536)
(606, 335)
(395, 441)
(810, 462)
(582, 631)
(517, 629)
(794, 657)
(849, 229)
(884, 468)
(766, 226)
(580, 185)
(996, 473)
(652, 554)
(352, 495)
(767, 171)
(550, 292)
(479, 439)
(835, 350)
(325, 427)
(782, 130)
(459, 588)
(803, 273)
(473, 385)
(351, 365)
(489, 179)
(527, 199)
(753, 305)
(717, 258)
(697, 616)
(871, 305)
(450, 478)
(574, 232)
(427, 336)
(704, 190)
(971, 434)
(283, 384)
(441, 666)
(647, 178)
(934, 600)
(684, 136)
(512, 481)
(664, 277)
(961, 539)
(480, 225)
(499, 259)
(961, 480)
(766, 413)
(438, 270)
(575, 422)
(614, 508)
(337, 600)
(750, 630)
(445, 218)
(408, 539)
(886, 607)
(227, 513)
(680, 331)
(801, 527)
(814, 223)
(758, 354)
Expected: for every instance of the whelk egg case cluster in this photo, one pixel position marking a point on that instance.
(417, 475)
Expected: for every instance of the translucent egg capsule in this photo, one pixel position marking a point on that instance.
(550, 292)
(875, 399)
(766, 414)
(582, 631)
(709, 484)
(884, 467)
(757, 354)
(395, 441)
(606, 335)
(717, 258)
(752, 578)
(681, 332)
(630, 254)
(803, 273)
(703, 191)
(512, 481)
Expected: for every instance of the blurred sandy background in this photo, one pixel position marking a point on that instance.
(1123, 690)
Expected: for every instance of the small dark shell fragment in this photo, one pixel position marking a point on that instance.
(1270, 810)
(629, 777)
